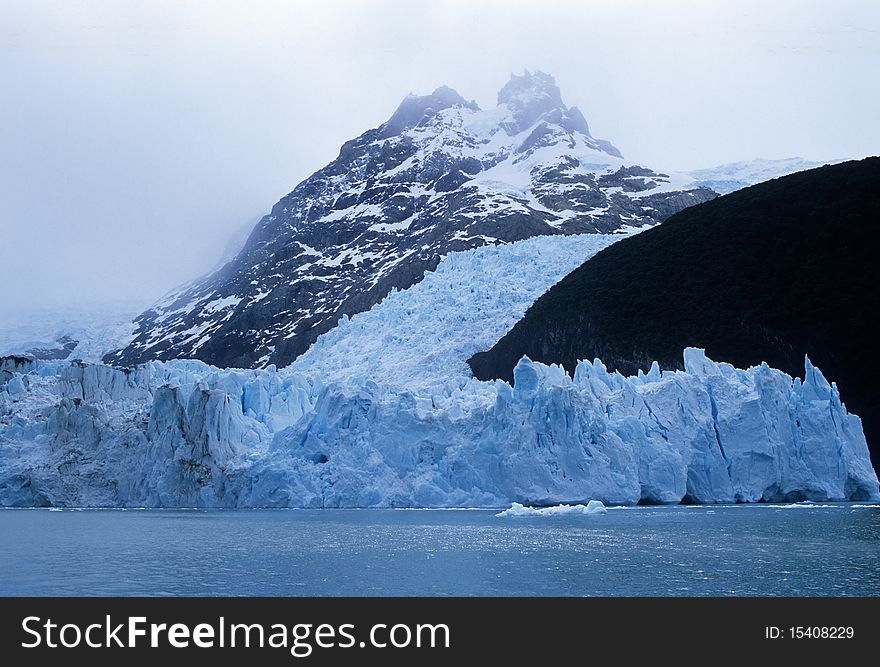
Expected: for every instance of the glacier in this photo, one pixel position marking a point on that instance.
(183, 434)
(383, 412)
(90, 330)
(422, 336)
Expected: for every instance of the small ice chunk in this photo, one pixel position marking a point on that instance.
(517, 509)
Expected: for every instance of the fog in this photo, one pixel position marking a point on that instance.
(138, 140)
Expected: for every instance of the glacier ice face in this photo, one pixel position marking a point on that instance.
(186, 434)
(161, 434)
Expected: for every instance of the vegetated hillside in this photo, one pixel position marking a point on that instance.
(769, 273)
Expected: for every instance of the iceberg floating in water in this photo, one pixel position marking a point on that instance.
(518, 510)
(184, 434)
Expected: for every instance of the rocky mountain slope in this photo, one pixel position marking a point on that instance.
(441, 175)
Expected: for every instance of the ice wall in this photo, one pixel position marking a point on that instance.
(184, 434)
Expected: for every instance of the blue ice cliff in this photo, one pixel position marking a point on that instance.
(181, 434)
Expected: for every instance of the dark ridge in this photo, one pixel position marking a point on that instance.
(769, 273)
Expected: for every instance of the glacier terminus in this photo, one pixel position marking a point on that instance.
(325, 366)
(183, 434)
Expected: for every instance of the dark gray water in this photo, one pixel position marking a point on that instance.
(682, 551)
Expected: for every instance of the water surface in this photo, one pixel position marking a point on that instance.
(741, 550)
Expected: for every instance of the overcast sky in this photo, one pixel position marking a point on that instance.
(138, 137)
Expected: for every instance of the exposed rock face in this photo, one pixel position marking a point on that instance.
(440, 175)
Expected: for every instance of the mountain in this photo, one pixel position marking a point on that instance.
(727, 178)
(441, 175)
(765, 274)
(98, 329)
